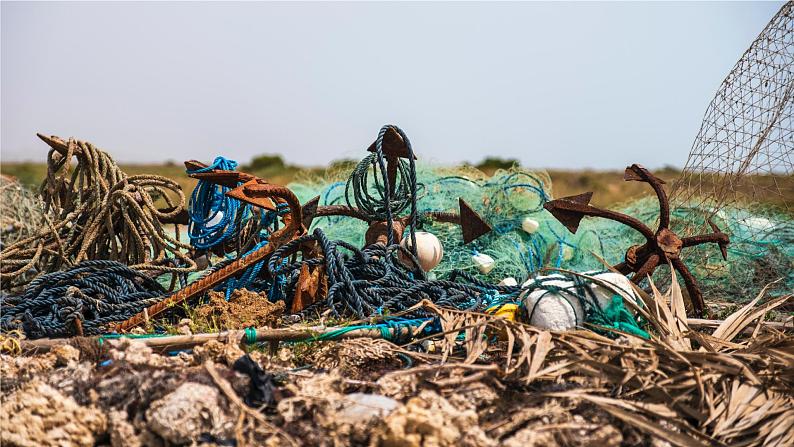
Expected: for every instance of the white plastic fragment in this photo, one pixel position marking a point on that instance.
(560, 311)
(509, 281)
(429, 250)
(530, 225)
(483, 262)
(362, 407)
(215, 220)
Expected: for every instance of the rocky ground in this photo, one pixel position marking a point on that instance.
(359, 392)
(484, 381)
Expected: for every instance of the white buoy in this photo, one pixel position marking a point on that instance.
(530, 225)
(509, 281)
(559, 311)
(429, 250)
(483, 262)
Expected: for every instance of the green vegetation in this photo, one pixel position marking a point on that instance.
(608, 186)
(494, 163)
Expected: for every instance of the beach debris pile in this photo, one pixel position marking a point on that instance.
(393, 303)
(487, 381)
(275, 333)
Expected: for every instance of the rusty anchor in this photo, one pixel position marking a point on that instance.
(394, 148)
(661, 246)
(248, 189)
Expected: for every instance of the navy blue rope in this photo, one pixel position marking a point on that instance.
(95, 292)
(370, 281)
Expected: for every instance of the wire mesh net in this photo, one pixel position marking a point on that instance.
(743, 152)
(740, 172)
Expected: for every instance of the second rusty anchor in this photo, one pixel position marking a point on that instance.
(661, 246)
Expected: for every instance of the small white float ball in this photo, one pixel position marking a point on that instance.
(567, 253)
(530, 225)
(483, 262)
(429, 250)
(509, 281)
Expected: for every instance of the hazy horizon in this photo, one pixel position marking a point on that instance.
(574, 85)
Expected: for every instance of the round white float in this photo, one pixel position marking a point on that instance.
(483, 262)
(530, 225)
(429, 250)
(556, 311)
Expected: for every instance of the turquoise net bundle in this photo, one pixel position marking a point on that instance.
(755, 257)
(503, 200)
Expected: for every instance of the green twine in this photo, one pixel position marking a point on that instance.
(385, 330)
(333, 335)
(250, 335)
(616, 316)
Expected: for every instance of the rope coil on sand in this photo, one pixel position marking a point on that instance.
(80, 300)
(98, 212)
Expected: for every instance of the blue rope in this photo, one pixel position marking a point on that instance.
(214, 217)
(94, 292)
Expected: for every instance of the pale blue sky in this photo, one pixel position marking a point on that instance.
(598, 85)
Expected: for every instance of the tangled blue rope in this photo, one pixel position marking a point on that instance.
(370, 281)
(214, 217)
(94, 292)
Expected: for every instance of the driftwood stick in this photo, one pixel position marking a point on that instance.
(265, 334)
(180, 342)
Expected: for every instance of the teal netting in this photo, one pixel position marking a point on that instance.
(509, 196)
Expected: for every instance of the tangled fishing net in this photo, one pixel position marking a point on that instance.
(98, 212)
(510, 197)
(22, 213)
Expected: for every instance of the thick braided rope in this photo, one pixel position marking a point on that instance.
(94, 292)
(98, 212)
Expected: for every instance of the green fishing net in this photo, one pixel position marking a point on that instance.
(506, 199)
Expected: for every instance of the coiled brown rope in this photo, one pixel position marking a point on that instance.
(98, 212)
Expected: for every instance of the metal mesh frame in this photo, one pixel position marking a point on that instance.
(743, 151)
